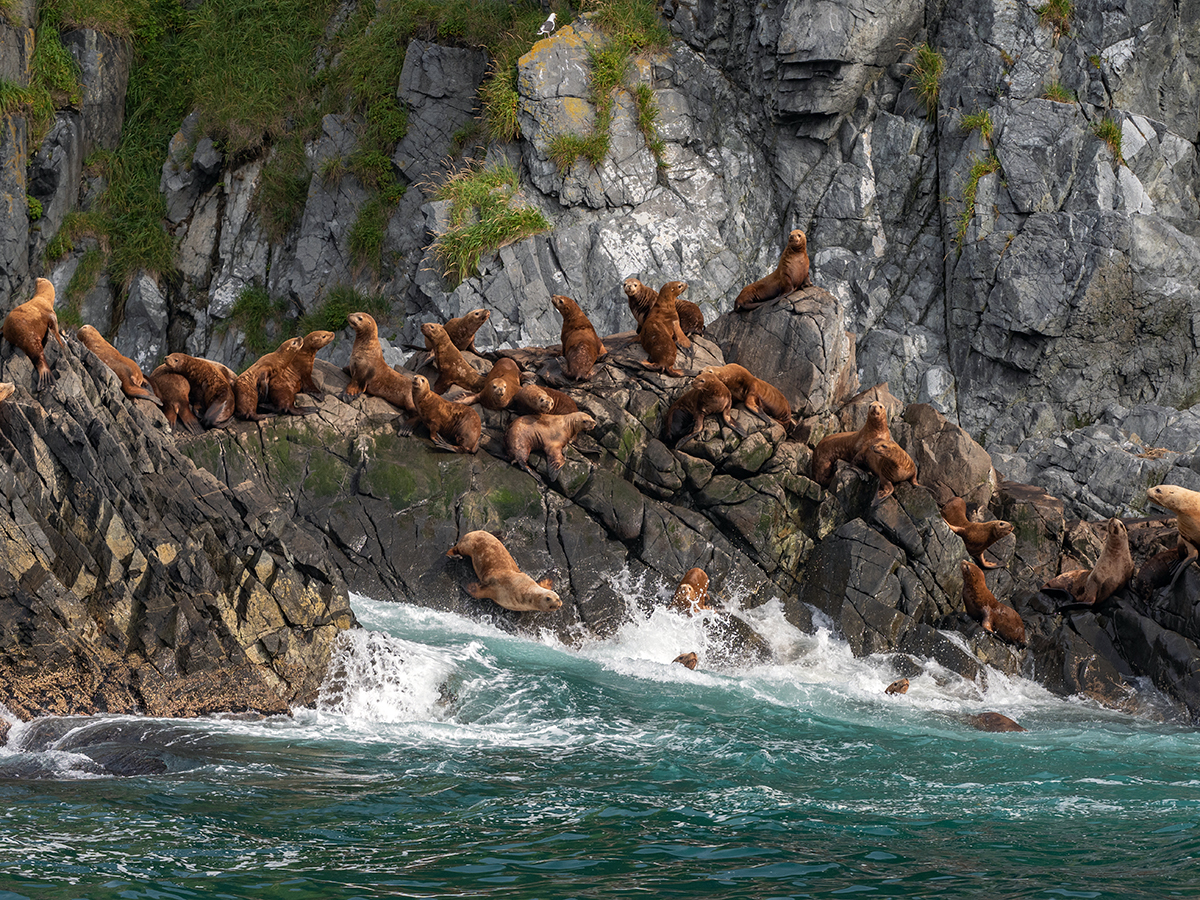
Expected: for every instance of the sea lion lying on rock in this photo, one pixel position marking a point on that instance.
(982, 606)
(173, 390)
(790, 275)
(707, 396)
(133, 382)
(849, 445)
(30, 325)
(890, 464)
(546, 432)
(760, 397)
(500, 580)
(533, 399)
(211, 386)
(1112, 571)
(976, 536)
(500, 386)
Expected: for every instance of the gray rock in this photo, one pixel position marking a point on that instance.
(54, 177)
(142, 334)
(104, 62)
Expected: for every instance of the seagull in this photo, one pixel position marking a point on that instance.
(548, 25)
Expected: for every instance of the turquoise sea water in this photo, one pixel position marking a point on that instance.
(447, 758)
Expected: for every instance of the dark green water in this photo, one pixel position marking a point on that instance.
(449, 759)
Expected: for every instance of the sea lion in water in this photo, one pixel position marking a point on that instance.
(899, 686)
(500, 579)
(133, 382)
(369, 372)
(533, 399)
(660, 335)
(548, 433)
(211, 389)
(173, 390)
(1186, 506)
(848, 445)
(760, 397)
(452, 366)
(890, 464)
(981, 604)
(30, 325)
(687, 660)
(452, 426)
(581, 346)
(790, 275)
(255, 382)
(692, 593)
(993, 721)
(976, 536)
(707, 396)
(500, 386)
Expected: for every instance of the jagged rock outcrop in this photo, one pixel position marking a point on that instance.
(130, 580)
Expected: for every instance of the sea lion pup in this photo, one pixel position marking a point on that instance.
(790, 275)
(369, 373)
(173, 390)
(133, 382)
(500, 386)
(452, 426)
(642, 297)
(500, 580)
(688, 660)
(707, 395)
(976, 536)
(30, 325)
(760, 397)
(452, 367)
(849, 444)
(692, 593)
(7, 389)
(255, 382)
(660, 335)
(890, 464)
(548, 433)
(981, 604)
(1186, 506)
(461, 330)
(211, 389)
(533, 399)
(297, 378)
(581, 346)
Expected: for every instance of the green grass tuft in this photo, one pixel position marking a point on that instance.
(980, 119)
(1057, 15)
(332, 315)
(982, 167)
(1058, 93)
(926, 73)
(252, 310)
(500, 100)
(565, 149)
(1109, 131)
(34, 207)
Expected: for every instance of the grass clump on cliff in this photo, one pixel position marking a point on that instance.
(1056, 15)
(926, 73)
(1109, 131)
(981, 120)
(981, 167)
(1058, 93)
(482, 217)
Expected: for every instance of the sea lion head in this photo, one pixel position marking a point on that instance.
(478, 316)
(1173, 498)
(498, 392)
(797, 241)
(87, 335)
(291, 345)
(581, 422)
(690, 660)
(547, 600)
(361, 322)
(563, 304)
(175, 361)
(672, 289)
(632, 286)
(44, 288)
(431, 330)
(1116, 530)
(420, 384)
(877, 414)
(315, 340)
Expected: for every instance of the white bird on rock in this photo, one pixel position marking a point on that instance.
(548, 25)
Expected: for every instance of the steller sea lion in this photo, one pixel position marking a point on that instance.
(760, 397)
(548, 433)
(461, 330)
(692, 593)
(7, 389)
(500, 386)
(790, 275)
(500, 579)
(707, 395)
(581, 346)
(890, 464)
(660, 334)
(533, 399)
(211, 388)
(452, 367)
(641, 298)
(452, 426)
(1113, 569)
(173, 390)
(981, 604)
(133, 382)
(993, 721)
(976, 536)
(688, 660)
(1186, 506)
(849, 444)
(297, 377)
(369, 373)
(899, 686)
(255, 382)
(30, 325)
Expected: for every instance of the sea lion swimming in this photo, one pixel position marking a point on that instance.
(790, 275)
(30, 325)
(133, 382)
(500, 579)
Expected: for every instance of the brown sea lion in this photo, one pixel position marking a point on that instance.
(707, 396)
(452, 366)
(533, 399)
(7, 389)
(461, 330)
(849, 444)
(297, 378)
(255, 382)
(790, 275)
(452, 426)
(369, 373)
(981, 604)
(660, 335)
(1072, 581)
(500, 579)
(581, 346)
(760, 397)
(1186, 506)
(976, 536)
(899, 686)
(133, 382)
(1113, 569)
(993, 721)
(688, 660)
(30, 325)
(211, 389)
(890, 464)
(641, 298)
(548, 433)
(173, 390)
(692, 593)
(500, 386)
